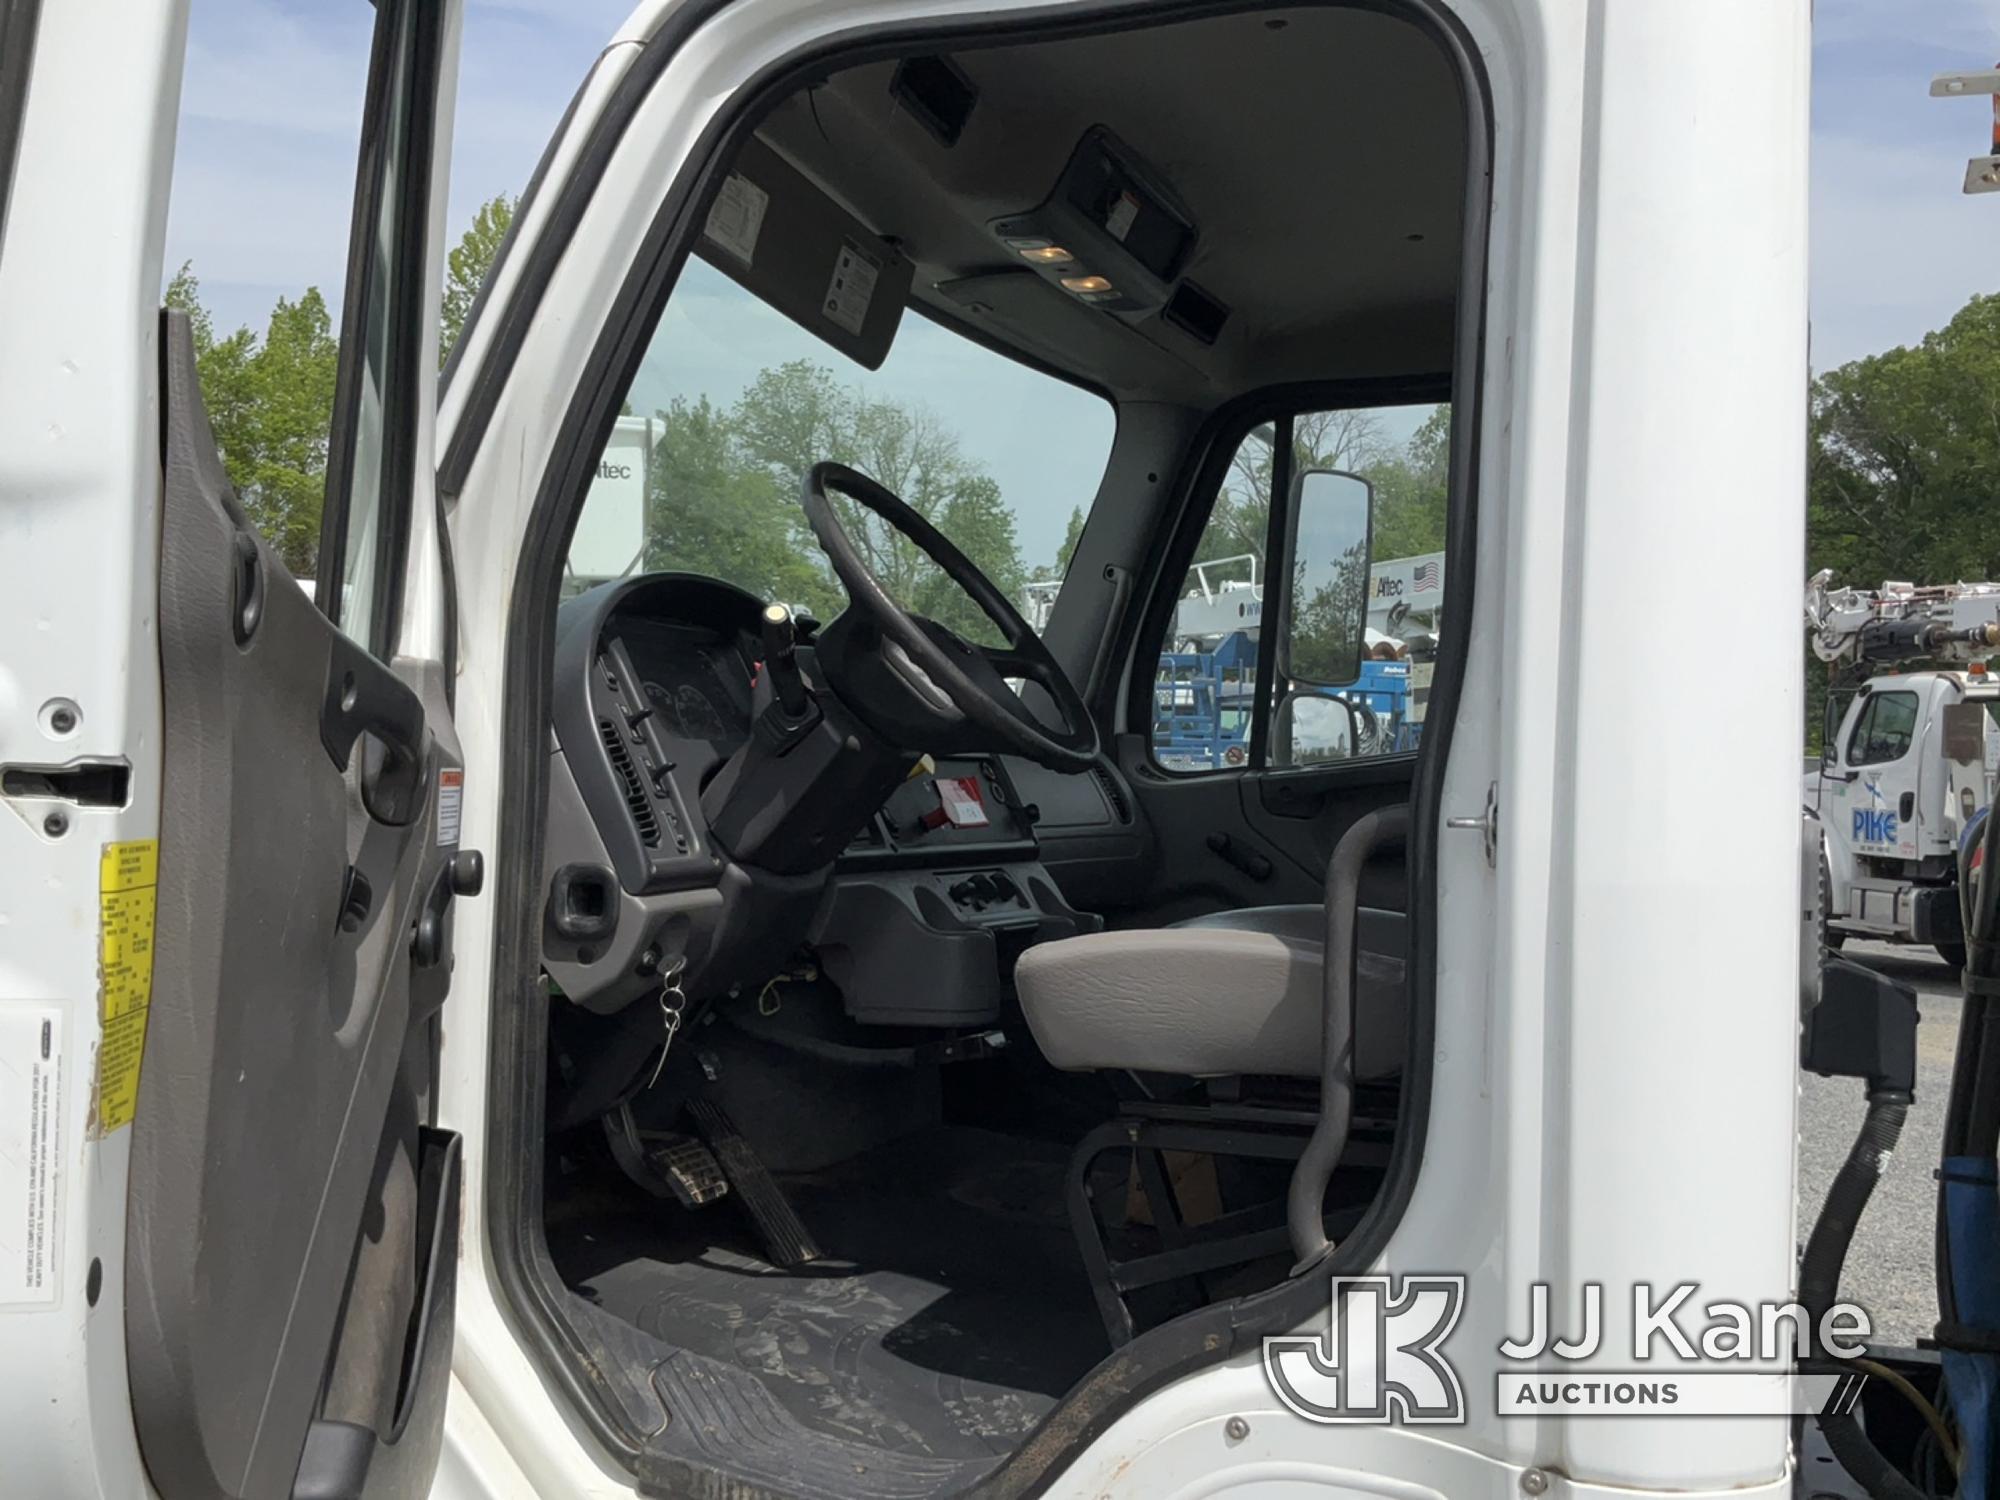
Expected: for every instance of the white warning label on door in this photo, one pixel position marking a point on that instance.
(738, 217)
(30, 1151)
(852, 288)
(451, 802)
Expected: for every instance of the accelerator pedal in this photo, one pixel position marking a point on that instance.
(786, 1241)
(665, 1163)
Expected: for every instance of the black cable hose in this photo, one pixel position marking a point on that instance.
(1864, 1464)
(1819, 1282)
(1846, 1200)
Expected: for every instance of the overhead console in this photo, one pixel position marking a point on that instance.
(1111, 232)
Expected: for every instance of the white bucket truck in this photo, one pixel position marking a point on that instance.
(1907, 759)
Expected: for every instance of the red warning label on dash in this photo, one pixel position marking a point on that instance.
(959, 804)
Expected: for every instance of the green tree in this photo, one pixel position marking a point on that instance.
(223, 366)
(712, 509)
(1325, 614)
(797, 414)
(1410, 489)
(1240, 523)
(271, 405)
(1905, 458)
(1066, 551)
(1903, 465)
(467, 267)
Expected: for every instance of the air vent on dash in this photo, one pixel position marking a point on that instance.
(643, 816)
(1113, 793)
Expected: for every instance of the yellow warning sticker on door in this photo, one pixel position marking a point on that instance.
(128, 877)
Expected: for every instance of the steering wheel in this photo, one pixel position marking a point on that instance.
(955, 694)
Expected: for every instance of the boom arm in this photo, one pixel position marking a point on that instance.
(1900, 622)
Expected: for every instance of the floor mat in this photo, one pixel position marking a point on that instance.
(949, 1315)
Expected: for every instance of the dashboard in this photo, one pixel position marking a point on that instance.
(659, 694)
(698, 680)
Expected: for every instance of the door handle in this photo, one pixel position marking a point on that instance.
(464, 874)
(363, 700)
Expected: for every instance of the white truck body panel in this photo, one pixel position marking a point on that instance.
(1217, 606)
(610, 538)
(80, 276)
(1636, 314)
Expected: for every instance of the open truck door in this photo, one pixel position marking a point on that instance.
(235, 830)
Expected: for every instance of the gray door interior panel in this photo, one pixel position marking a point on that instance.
(1227, 839)
(279, 1126)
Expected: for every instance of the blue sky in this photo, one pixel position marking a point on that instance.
(265, 162)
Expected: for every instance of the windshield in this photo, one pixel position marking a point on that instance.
(732, 403)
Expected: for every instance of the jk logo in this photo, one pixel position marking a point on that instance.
(1379, 1360)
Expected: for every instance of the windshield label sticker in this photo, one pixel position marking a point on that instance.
(451, 797)
(30, 1152)
(128, 877)
(738, 217)
(852, 288)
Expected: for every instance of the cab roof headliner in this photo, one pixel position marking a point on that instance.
(1320, 151)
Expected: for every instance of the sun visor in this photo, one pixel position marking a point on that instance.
(790, 245)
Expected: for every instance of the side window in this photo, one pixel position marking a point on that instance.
(1204, 695)
(1884, 730)
(371, 445)
(1355, 613)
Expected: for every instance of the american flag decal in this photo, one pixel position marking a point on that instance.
(1426, 580)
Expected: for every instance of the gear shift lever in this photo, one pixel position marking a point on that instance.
(781, 661)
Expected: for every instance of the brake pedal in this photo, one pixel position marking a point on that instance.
(688, 1167)
(787, 1242)
(665, 1163)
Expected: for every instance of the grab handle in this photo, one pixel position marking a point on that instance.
(1305, 1204)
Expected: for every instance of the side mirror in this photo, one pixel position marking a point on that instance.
(1326, 603)
(1313, 726)
(1829, 732)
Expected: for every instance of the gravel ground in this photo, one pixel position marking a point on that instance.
(1889, 1269)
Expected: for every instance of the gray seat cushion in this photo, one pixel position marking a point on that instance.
(1234, 992)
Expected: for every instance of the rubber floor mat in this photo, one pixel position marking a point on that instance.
(949, 1314)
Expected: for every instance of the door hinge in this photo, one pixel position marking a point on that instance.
(1487, 824)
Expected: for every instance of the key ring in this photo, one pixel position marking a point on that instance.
(673, 1000)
